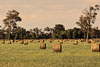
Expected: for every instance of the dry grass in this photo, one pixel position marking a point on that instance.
(17, 55)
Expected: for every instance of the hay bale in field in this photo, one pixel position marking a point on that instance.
(88, 41)
(97, 40)
(57, 48)
(50, 41)
(42, 45)
(9, 42)
(95, 47)
(31, 41)
(65, 40)
(13, 41)
(61, 41)
(42, 41)
(16, 41)
(26, 43)
(82, 40)
(75, 42)
(93, 42)
(22, 42)
(38, 40)
(3, 42)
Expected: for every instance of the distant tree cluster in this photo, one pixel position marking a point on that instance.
(58, 32)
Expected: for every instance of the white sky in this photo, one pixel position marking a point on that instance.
(42, 13)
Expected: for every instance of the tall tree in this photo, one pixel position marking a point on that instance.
(10, 21)
(88, 19)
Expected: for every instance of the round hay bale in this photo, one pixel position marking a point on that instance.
(3, 42)
(95, 47)
(31, 41)
(13, 41)
(38, 40)
(61, 41)
(9, 42)
(16, 41)
(75, 42)
(50, 41)
(93, 42)
(26, 43)
(65, 40)
(88, 41)
(22, 42)
(42, 45)
(82, 40)
(57, 48)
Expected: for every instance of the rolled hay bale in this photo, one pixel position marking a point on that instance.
(42, 45)
(50, 41)
(88, 41)
(92, 42)
(42, 41)
(65, 40)
(16, 41)
(61, 41)
(31, 41)
(9, 42)
(57, 48)
(13, 41)
(75, 42)
(26, 43)
(95, 47)
(3, 42)
(38, 40)
(97, 40)
(82, 40)
(22, 42)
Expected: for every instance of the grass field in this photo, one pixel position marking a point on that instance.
(19, 55)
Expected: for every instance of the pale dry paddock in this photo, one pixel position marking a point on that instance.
(20, 55)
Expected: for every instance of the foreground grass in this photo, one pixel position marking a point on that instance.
(19, 55)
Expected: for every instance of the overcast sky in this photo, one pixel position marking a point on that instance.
(42, 13)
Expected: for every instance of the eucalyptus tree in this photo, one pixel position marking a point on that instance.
(10, 21)
(88, 18)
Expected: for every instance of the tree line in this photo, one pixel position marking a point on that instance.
(58, 32)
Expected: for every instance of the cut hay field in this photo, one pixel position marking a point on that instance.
(19, 55)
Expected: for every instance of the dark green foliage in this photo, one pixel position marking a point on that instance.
(75, 33)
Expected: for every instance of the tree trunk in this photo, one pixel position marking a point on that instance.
(8, 34)
(15, 37)
(84, 36)
(87, 36)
